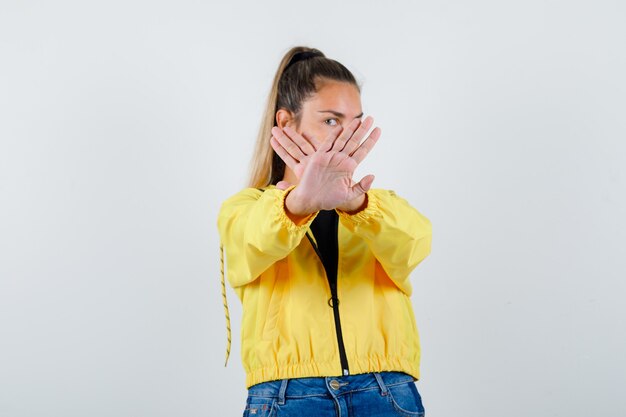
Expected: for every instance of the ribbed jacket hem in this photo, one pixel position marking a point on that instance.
(317, 369)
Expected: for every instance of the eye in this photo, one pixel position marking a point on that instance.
(331, 120)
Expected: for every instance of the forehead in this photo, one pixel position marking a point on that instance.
(338, 96)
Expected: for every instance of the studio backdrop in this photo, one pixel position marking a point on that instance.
(125, 124)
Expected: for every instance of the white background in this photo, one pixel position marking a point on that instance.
(125, 124)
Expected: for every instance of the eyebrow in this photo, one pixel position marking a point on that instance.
(338, 114)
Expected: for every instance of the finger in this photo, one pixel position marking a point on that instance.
(361, 187)
(345, 135)
(305, 146)
(287, 143)
(328, 142)
(312, 140)
(354, 141)
(284, 155)
(362, 151)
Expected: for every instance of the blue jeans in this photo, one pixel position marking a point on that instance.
(373, 394)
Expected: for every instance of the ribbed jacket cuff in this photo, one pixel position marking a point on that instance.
(369, 213)
(286, 220)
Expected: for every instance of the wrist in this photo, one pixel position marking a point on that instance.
(297, 207)
(355, 205)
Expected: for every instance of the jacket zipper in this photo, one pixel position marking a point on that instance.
(334, 302)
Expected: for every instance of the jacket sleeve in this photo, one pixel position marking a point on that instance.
(398, 235)
(256, 232)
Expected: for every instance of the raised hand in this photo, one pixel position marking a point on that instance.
(325, 176)
(295, 149)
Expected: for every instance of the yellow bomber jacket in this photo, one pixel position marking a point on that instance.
(289, 326)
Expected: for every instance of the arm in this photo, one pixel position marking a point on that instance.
(397, 234)
(256, 231)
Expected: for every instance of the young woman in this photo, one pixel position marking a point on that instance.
(321, 262)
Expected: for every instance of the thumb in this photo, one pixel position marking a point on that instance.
(362, 186)
(283, 185)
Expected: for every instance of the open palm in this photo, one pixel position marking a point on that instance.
(327, 178)
(325, 172)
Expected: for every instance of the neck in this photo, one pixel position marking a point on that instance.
(289, 176)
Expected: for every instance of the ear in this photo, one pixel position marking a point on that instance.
(284, 118)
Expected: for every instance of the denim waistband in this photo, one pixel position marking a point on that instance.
(323, 386)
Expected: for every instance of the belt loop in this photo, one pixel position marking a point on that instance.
(383, 388)
(281, 392)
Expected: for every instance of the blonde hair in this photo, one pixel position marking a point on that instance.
(297, 79)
